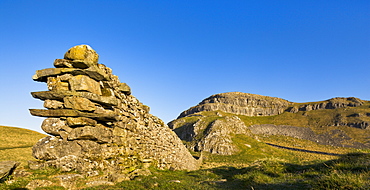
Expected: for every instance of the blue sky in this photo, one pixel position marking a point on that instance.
(174, 54)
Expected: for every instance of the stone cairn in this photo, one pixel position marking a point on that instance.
(97, 125)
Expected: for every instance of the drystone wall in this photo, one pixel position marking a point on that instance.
(97, 125)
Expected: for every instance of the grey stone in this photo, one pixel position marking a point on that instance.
(215, 137)
(53, 104)
(84, 83)
(79, 103)
(54, 126)
(98, 133)
(98, 183)
(37, 183)
(69, 181)
(51, 95)
(72, 113)
(51, 148)
(241, 104)
(80, 121)
(35, 165)
(7, 168)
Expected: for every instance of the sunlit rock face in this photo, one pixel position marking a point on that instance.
(241, 104)
(96, 124)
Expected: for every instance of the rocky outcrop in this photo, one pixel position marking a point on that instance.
(257, 105)
(194, 126)
(214, 137)
(334, 137)
(97, 125)
(241, 104)
(333, 103)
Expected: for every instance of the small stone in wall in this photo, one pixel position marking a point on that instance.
(79, 103)
(54, 126)
(84, 83)
(53, 104)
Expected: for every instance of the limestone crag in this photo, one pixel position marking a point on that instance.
(241, 104)
(214, 137)
(334, 137)
(333, 103)
(97, 125)
(210, 125)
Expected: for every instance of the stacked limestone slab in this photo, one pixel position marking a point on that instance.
(96, 124)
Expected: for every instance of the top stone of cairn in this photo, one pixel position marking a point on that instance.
(83, 54)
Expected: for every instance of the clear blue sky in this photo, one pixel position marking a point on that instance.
(174, 54)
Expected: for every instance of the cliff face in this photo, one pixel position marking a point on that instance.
(214, 137)
(96, 124)
(241, 104)
(332, 103)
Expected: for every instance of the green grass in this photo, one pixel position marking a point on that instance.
(16, 143)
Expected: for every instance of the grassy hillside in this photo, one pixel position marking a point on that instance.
(256, 166)
(320, 121)
(16, 143)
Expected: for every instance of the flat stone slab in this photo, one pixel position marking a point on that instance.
(7, 168)
(59, 95)
(93, 72)
(72, 113)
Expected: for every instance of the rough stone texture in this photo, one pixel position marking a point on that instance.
(257, 105)
(334, 137)
(7, 168)
(97, 133)
(98, 183)
(241, 104)
(79, 103)
(58, 74)
(53, 104)
(84, 83)
(214, 137)
(73, 113)
(194, 126)
(82, 55)
(50, 95)
(69, 181)
(97, 125)
(55, 84)
(80, 121)
(333, 103)
(124, 88)
(55, 126)
(38, 183)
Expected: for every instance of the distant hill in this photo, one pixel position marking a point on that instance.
(16, 143)
(211, 125)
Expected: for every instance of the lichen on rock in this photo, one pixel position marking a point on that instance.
(83, 56)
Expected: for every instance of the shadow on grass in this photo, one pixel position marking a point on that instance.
(14, 147)
(303, 150)
(349, 171)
